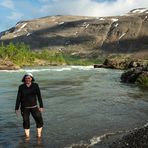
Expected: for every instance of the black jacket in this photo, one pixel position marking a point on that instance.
(27, 96)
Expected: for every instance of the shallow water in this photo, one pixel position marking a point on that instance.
(81, 105)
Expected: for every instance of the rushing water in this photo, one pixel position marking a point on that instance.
(82, 105)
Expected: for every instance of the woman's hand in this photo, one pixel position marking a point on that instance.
(17, 112)
(41, 109)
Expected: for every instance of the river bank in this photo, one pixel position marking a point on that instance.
(8, 65)
(138, 138)
(135, 70)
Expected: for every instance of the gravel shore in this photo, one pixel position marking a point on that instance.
(137, 138)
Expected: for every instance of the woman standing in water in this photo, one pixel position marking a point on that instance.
(27, 102)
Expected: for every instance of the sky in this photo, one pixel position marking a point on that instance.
(13, 11)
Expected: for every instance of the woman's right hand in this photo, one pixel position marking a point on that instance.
(41, 109)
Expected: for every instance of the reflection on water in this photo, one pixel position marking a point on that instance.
(28, 142)
(81, 104)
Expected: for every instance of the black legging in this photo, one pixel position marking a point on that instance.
(36, 114)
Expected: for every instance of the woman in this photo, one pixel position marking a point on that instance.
(27, 102)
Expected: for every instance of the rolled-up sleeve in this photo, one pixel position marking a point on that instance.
(18, 99)
(39, 96)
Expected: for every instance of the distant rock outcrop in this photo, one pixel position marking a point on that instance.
(88, 35)
(122, 62)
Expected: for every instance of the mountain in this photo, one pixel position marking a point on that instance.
(84, 35)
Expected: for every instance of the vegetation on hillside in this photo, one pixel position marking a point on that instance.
(21, 55)
(18, 53)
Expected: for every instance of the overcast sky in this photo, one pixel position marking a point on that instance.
(12, 11)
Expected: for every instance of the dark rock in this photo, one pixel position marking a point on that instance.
(116, 63)
(133, 64)
(103, 66)
(138, 63)
(130, 76)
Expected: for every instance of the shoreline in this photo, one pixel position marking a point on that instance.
(137, 138)
(30, 66)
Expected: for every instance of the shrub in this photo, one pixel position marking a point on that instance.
(142, 80)
(19, 53)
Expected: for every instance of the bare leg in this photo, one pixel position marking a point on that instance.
(39, 132)
(27, 133)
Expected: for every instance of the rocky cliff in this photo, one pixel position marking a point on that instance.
(86, 35)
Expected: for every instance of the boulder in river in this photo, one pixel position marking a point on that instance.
(131, 75)
(137, 75)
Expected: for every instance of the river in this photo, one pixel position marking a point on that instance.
(82, 106)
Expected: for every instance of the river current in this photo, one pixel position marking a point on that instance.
(82, 106)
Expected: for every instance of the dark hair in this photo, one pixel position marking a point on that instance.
(23, 79)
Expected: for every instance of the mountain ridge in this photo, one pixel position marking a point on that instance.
(84, 35)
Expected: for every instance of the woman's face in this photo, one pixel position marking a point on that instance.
(28, 79)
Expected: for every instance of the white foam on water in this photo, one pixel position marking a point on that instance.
(96, 140)
(58, 69)
(82, 67)
(61, 69)
(20, 70)
(77, 145)
(47, 69)
(38, 70)
(93, 141)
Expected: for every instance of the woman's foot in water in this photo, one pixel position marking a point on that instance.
(39, 132)
(27, 133)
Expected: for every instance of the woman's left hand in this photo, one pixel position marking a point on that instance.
(41, 109)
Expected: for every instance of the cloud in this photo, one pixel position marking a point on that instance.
(15, 16)
(7, 4)
(90, 7)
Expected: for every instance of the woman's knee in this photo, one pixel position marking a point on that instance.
(26, 120)
(37, 117)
